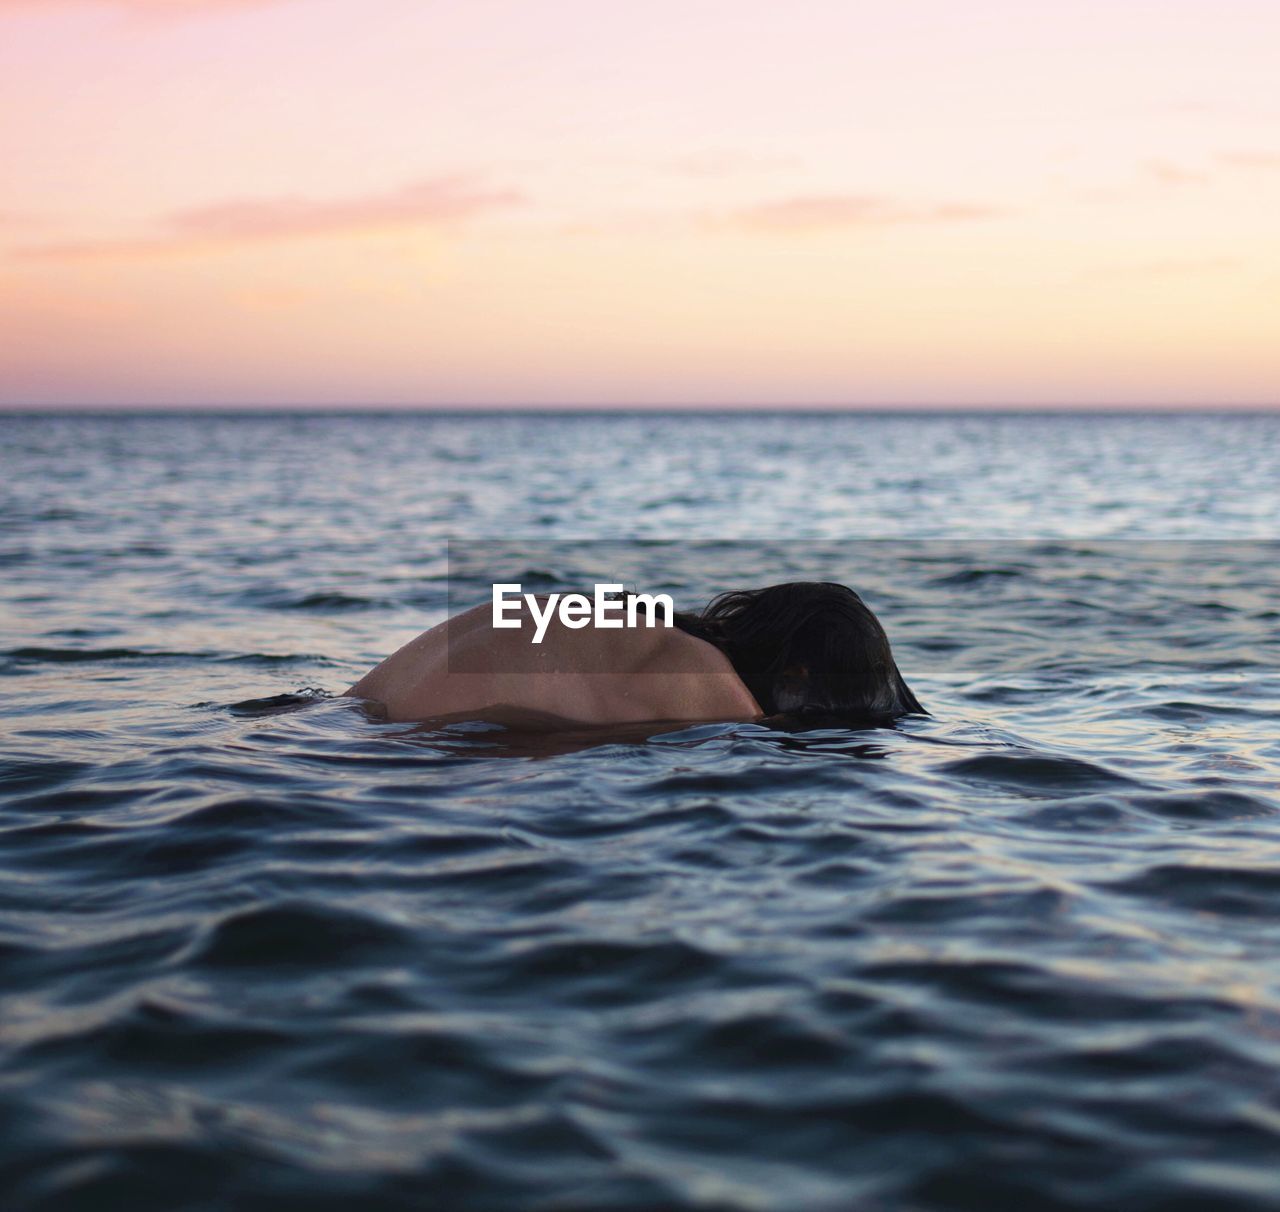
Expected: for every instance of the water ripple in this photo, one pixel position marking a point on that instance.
(260, 950)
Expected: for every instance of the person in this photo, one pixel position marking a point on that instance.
(803, 648)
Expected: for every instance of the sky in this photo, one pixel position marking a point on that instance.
(585, 202)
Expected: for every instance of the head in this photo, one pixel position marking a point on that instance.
(806, 647)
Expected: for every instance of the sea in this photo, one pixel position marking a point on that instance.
(261, 950)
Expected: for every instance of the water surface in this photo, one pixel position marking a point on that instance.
(1023, 952)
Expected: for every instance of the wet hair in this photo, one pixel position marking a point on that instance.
(807, 647)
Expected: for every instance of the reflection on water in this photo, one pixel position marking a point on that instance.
(260, 949)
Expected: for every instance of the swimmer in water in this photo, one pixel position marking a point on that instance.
(804, 648)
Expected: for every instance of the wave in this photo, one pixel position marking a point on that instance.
(42, 655)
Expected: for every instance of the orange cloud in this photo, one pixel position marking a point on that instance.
(441, 201)
(821, 211)
(1166, 267)
(1168, 173)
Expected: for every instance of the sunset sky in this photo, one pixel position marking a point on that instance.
(678, 201)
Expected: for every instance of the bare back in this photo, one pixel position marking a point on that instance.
(464, 668)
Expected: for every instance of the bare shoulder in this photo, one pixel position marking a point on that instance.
(594, 675)
(699, 679)
(675, 651)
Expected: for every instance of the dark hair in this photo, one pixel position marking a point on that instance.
(809, 647)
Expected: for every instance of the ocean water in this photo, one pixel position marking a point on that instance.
(259, 950)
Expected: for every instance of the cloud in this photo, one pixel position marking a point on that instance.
(724, 162)
(155, 8)
(437, 202)
(817, 212)
(1168, 173)
(1167, 268)
(1251, 159)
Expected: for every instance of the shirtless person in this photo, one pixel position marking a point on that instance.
(804, 647)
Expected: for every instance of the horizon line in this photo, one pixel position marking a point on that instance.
(350, 408)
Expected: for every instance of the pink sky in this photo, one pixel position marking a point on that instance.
(683, 201)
